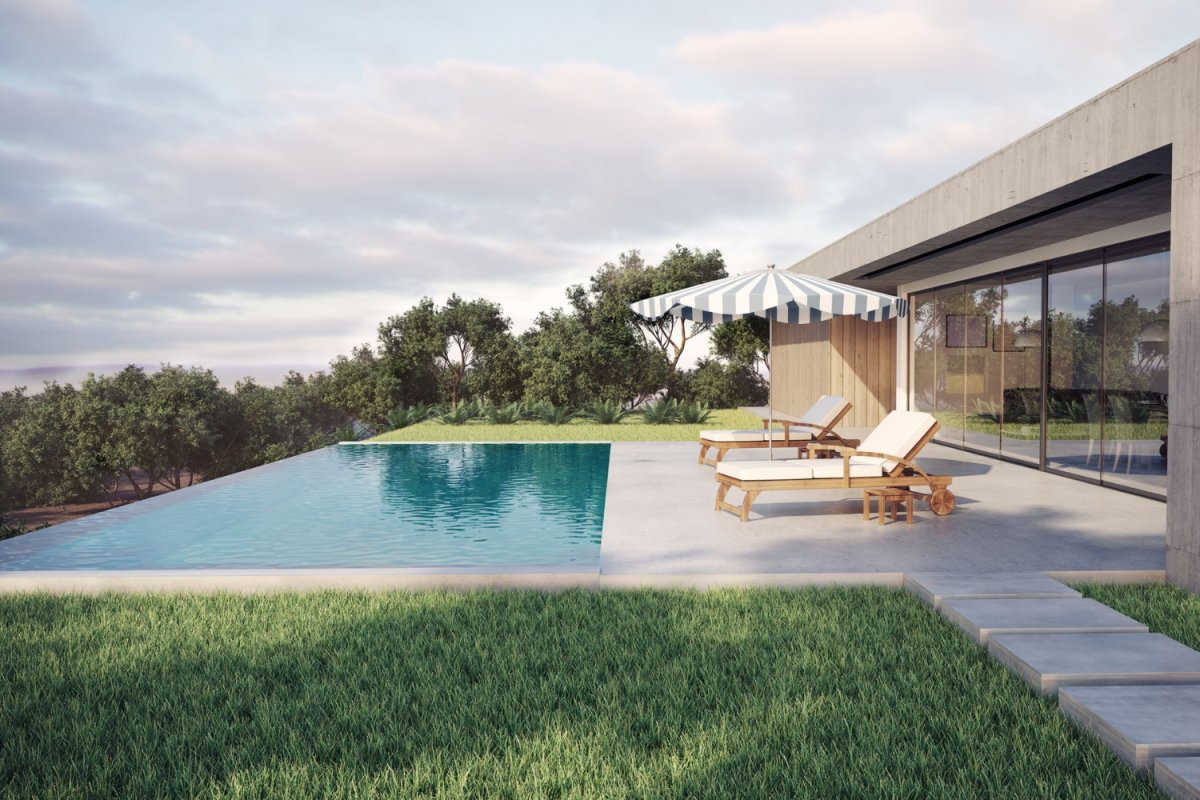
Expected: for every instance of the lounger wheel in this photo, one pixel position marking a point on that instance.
(941, 502)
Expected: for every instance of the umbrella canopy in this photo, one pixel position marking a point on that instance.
(775, 294)
(778, 295)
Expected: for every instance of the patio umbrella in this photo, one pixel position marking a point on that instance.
(777, 295)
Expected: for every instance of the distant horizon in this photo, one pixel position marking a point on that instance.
(35, 378)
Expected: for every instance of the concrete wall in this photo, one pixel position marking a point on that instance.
(1156, 107)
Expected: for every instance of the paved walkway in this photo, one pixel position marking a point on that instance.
(659, 519)
(1138, 692)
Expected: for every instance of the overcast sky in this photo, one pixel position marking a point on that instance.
(254, 185)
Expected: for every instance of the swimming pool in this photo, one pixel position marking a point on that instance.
(535, 506)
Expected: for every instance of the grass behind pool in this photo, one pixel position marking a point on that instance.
(630, 429)
(765, 693)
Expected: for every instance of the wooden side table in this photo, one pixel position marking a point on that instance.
(889, 498)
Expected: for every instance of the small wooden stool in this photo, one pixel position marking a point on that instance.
(889, 498)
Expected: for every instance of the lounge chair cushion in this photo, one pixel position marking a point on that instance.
(825, 410)
(759, 435)
(765, 470)
(897, 435)
(832, 468)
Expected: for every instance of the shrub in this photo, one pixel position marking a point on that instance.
(606, 412)
(692, 413)
(662, 412)
(506, 414)
(460, 413)
(401, 417)
(554, 415)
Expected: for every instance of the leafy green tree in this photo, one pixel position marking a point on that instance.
(588, 354)
(745, 342)
(615, 286)
(14, 404)
(189, 409)
(281, 421)
(720, 384)
(409, 345)
(362, 385)
(475, 338)
(40, 450)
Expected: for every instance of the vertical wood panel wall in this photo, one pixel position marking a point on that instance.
(845, 356)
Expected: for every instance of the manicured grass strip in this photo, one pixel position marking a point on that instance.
(818, 693)
(1163, 608)
(630, 429)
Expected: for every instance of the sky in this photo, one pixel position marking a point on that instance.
(254, 187)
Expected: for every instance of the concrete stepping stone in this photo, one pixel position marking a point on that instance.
(981, 619)
(1048, 661)
(1178, 777)
(1138, 723)
(935, 587)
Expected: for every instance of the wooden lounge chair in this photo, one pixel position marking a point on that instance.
(814, 425)
(884, 460)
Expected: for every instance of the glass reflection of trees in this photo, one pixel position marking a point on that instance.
(1106, 365)
(481, 482)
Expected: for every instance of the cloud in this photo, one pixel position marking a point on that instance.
(47, 34)
(214, 201)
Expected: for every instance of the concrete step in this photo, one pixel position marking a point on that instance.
(935, 587)
(980, 619)
(1139, 723)
(1048, 661)
(1178, 777)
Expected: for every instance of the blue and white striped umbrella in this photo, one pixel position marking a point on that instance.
(775, 294)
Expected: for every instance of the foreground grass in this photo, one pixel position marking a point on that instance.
(820, 693)
(631, 429)
(1161, 607)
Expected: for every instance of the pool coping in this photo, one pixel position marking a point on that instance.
(407, 579)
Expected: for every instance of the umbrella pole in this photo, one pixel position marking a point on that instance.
(770, 389)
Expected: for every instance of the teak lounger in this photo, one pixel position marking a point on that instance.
(818, 421)
(884, 460)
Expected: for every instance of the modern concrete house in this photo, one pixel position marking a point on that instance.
(1055, 303)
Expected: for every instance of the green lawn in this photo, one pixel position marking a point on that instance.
(631, 429)
(817, 693)
(1163, 608)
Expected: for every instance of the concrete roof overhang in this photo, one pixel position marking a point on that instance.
(1133, 190)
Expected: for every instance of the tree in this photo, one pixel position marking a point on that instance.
(409, 345)
(188, 409)
(447, 353)
(363, 385)
(615, 286)
(745, 345)
(473, 334)
(719, 384)
(282, 421)
(13, 405)
(588, 354)
(40, 450)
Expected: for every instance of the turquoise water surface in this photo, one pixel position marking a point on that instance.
(402, 505)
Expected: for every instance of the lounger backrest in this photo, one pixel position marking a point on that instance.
(898, 434)
(825, 410)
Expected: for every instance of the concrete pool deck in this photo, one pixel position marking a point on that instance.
(660, 530)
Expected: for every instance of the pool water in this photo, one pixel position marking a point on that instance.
(399, 505)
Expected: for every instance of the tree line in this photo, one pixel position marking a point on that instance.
(141, 432)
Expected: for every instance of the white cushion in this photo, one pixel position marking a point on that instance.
(896, 435)
(734, 436)
(832, 468)
(765, 470)
(824, 410)
(759, 435)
